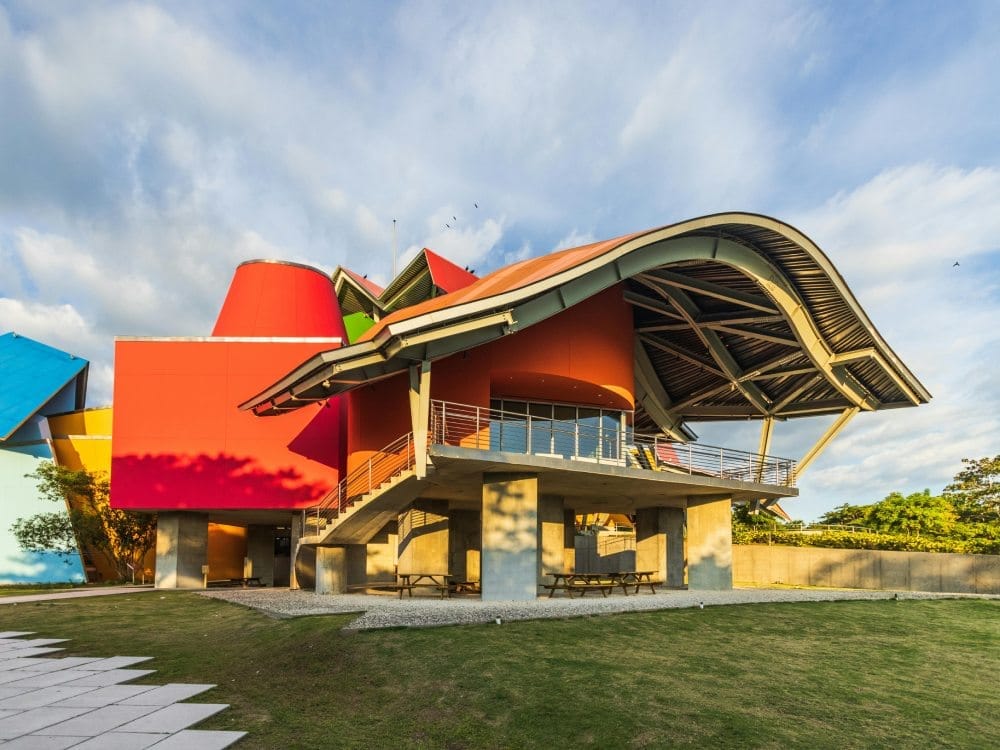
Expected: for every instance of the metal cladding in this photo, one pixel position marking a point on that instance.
(31, 375)
(271, 298)
(178, 440)
(736, 316)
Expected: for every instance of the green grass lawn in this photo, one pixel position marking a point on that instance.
(838, 674)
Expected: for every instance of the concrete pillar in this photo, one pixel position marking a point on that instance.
(181, 550)
(260, 551)
(710, 545)
(380, 554)
(569, 540)
(357, 564)
(464, 549)
(423, 537)
(331, 570)
(510, 537)
(659, 543)
(551, 538)
(294, 537)
(673, 518)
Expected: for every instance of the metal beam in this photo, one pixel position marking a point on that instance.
(832, 431)
(650, 393)
(717, 349)
(797, 391)
(753, 332)
(420, 404)
(710, 289)
(653, 305)
(688, 356)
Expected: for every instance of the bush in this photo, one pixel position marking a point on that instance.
(864, 540)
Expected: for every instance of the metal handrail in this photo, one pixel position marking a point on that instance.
(484, 428)
(468, 426)
(382, 466)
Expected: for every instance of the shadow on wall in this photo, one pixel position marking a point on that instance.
(942, 572)
(170, 482)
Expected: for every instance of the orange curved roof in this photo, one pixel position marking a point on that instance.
(503, 280)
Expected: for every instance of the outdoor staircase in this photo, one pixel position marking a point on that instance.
(366, 499)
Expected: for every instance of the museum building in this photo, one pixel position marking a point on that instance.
(331, 434)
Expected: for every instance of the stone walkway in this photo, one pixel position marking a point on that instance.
(81, 702)
(387, 611)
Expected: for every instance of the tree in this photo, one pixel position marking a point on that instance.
(919, 513)
(124, 537)
(975, 493)
(847, 515)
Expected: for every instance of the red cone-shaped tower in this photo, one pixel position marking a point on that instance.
(281, 299)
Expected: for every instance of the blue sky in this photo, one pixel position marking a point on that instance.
(149, 148)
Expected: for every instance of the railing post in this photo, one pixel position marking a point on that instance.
(527, 442)
(478, 433)
(689, 459)
(444, 424)
(369, 475)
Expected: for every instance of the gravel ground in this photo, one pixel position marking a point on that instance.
(387, 611)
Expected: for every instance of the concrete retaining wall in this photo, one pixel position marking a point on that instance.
(866, 569)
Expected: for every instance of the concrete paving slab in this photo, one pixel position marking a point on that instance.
(114, 662)
(42, 697)
(34, 651)
(98, 721)
(121, 741)
(42, 742)
(35, 680)
(8, 712)
(197, 739)
(167, 694)
(106, 696)
(27, 722)
(110, 677)
(174, 718)
(34, 664)
(44, 664)
(14, 644)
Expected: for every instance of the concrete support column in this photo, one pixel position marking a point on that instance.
(710, 545)
(331, 570)
(464, 549)
(659, 543)
(510, 537)
(181, 550)
(294, 537)
(569, 540)
(423, 537)
(260, 551)
(551, 538)
(672, 522)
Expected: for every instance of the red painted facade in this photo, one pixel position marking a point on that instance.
(178, 440)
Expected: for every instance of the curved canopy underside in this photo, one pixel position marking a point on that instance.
(737, 316)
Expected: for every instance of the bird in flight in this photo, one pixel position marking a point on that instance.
(476, 205)
(956, 263)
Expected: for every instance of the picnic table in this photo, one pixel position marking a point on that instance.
(573, 582)
(439, 581)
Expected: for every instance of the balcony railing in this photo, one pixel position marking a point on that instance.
(601, 441)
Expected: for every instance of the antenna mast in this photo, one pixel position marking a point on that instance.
(393, 248)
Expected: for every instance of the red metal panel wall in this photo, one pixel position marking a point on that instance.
(179, 442)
